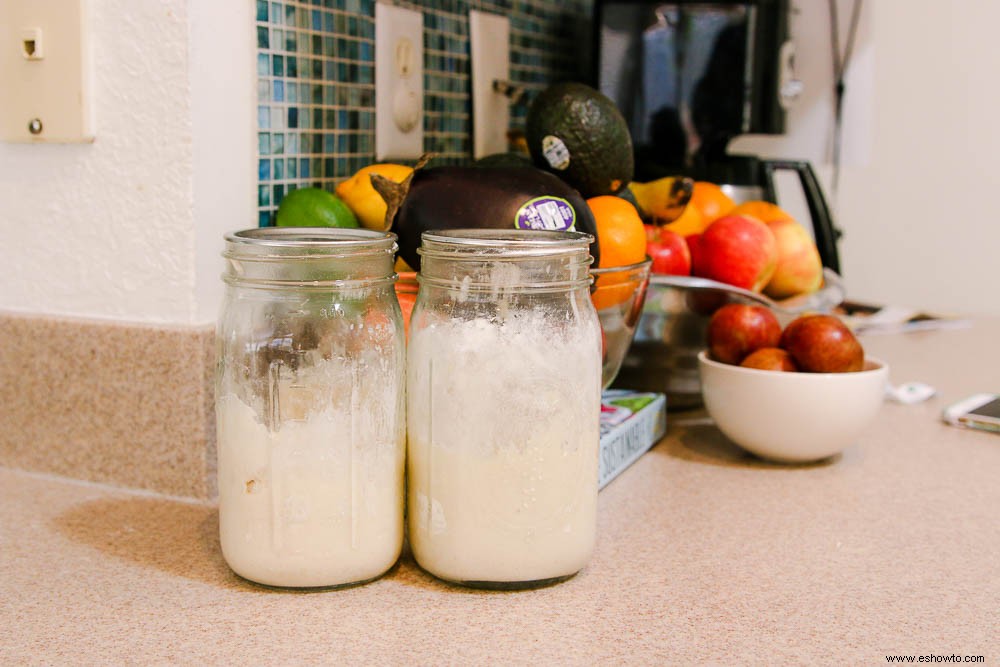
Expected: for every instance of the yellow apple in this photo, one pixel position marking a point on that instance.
(799, 269)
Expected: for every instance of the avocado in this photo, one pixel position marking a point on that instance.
(579, 134)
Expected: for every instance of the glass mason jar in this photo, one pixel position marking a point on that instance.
(310, 407)
(503, 407)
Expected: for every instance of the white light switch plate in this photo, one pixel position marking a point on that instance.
(489, 36)
(45, 72)
(399, 82)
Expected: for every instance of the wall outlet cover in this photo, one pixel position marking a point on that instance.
(45, 72)
(399, 82)
(489, 39)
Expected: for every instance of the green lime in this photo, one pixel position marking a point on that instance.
(314, 207)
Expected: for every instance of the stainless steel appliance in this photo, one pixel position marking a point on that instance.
(689, 76)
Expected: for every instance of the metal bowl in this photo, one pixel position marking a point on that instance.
(671, 331)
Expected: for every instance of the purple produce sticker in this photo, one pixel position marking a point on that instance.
(548, 213)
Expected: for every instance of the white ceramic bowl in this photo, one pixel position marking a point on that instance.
(792, 417)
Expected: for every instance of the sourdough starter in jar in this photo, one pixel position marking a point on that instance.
(310, 407)
(504, 376)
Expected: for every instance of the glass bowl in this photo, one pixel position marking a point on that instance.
(618, 294)
(406, 292)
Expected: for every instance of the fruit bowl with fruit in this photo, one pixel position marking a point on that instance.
(792, 417)
(718, 252)
(796, 395)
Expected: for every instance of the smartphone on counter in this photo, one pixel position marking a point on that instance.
(980, 411)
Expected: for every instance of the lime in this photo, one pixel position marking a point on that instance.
(314, 207)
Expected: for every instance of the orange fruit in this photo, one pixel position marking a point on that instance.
(710, 201)
(691, 221)
(611, 289)
(621, 238)
(764, 211)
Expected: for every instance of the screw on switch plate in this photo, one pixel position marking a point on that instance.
(489, 36)
(399, 82)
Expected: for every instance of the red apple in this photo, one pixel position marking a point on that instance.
(652, 233)
(737, 329)
(738, 250)
(694, 247)
(799, 269)
(822, 344)
(670, 254)
(770, 359)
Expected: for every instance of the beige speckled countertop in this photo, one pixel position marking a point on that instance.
(705, 555)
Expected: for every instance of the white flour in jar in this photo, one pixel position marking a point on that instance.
(318, 502)
(503, 437)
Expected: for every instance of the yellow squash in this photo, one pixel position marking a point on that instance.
(663, 200)
(357, 192)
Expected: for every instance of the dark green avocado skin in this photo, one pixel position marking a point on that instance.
(478, 197)
(594, 133)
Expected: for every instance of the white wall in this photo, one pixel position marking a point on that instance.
(123, 227)
(224, 104)
(918, 185)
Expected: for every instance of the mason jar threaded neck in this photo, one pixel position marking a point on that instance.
(309, 257)
(505, 259)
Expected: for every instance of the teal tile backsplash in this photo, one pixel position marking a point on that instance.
(316, 81)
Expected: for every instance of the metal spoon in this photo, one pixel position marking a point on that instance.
(831, 294)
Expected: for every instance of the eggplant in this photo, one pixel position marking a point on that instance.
(481, 197)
